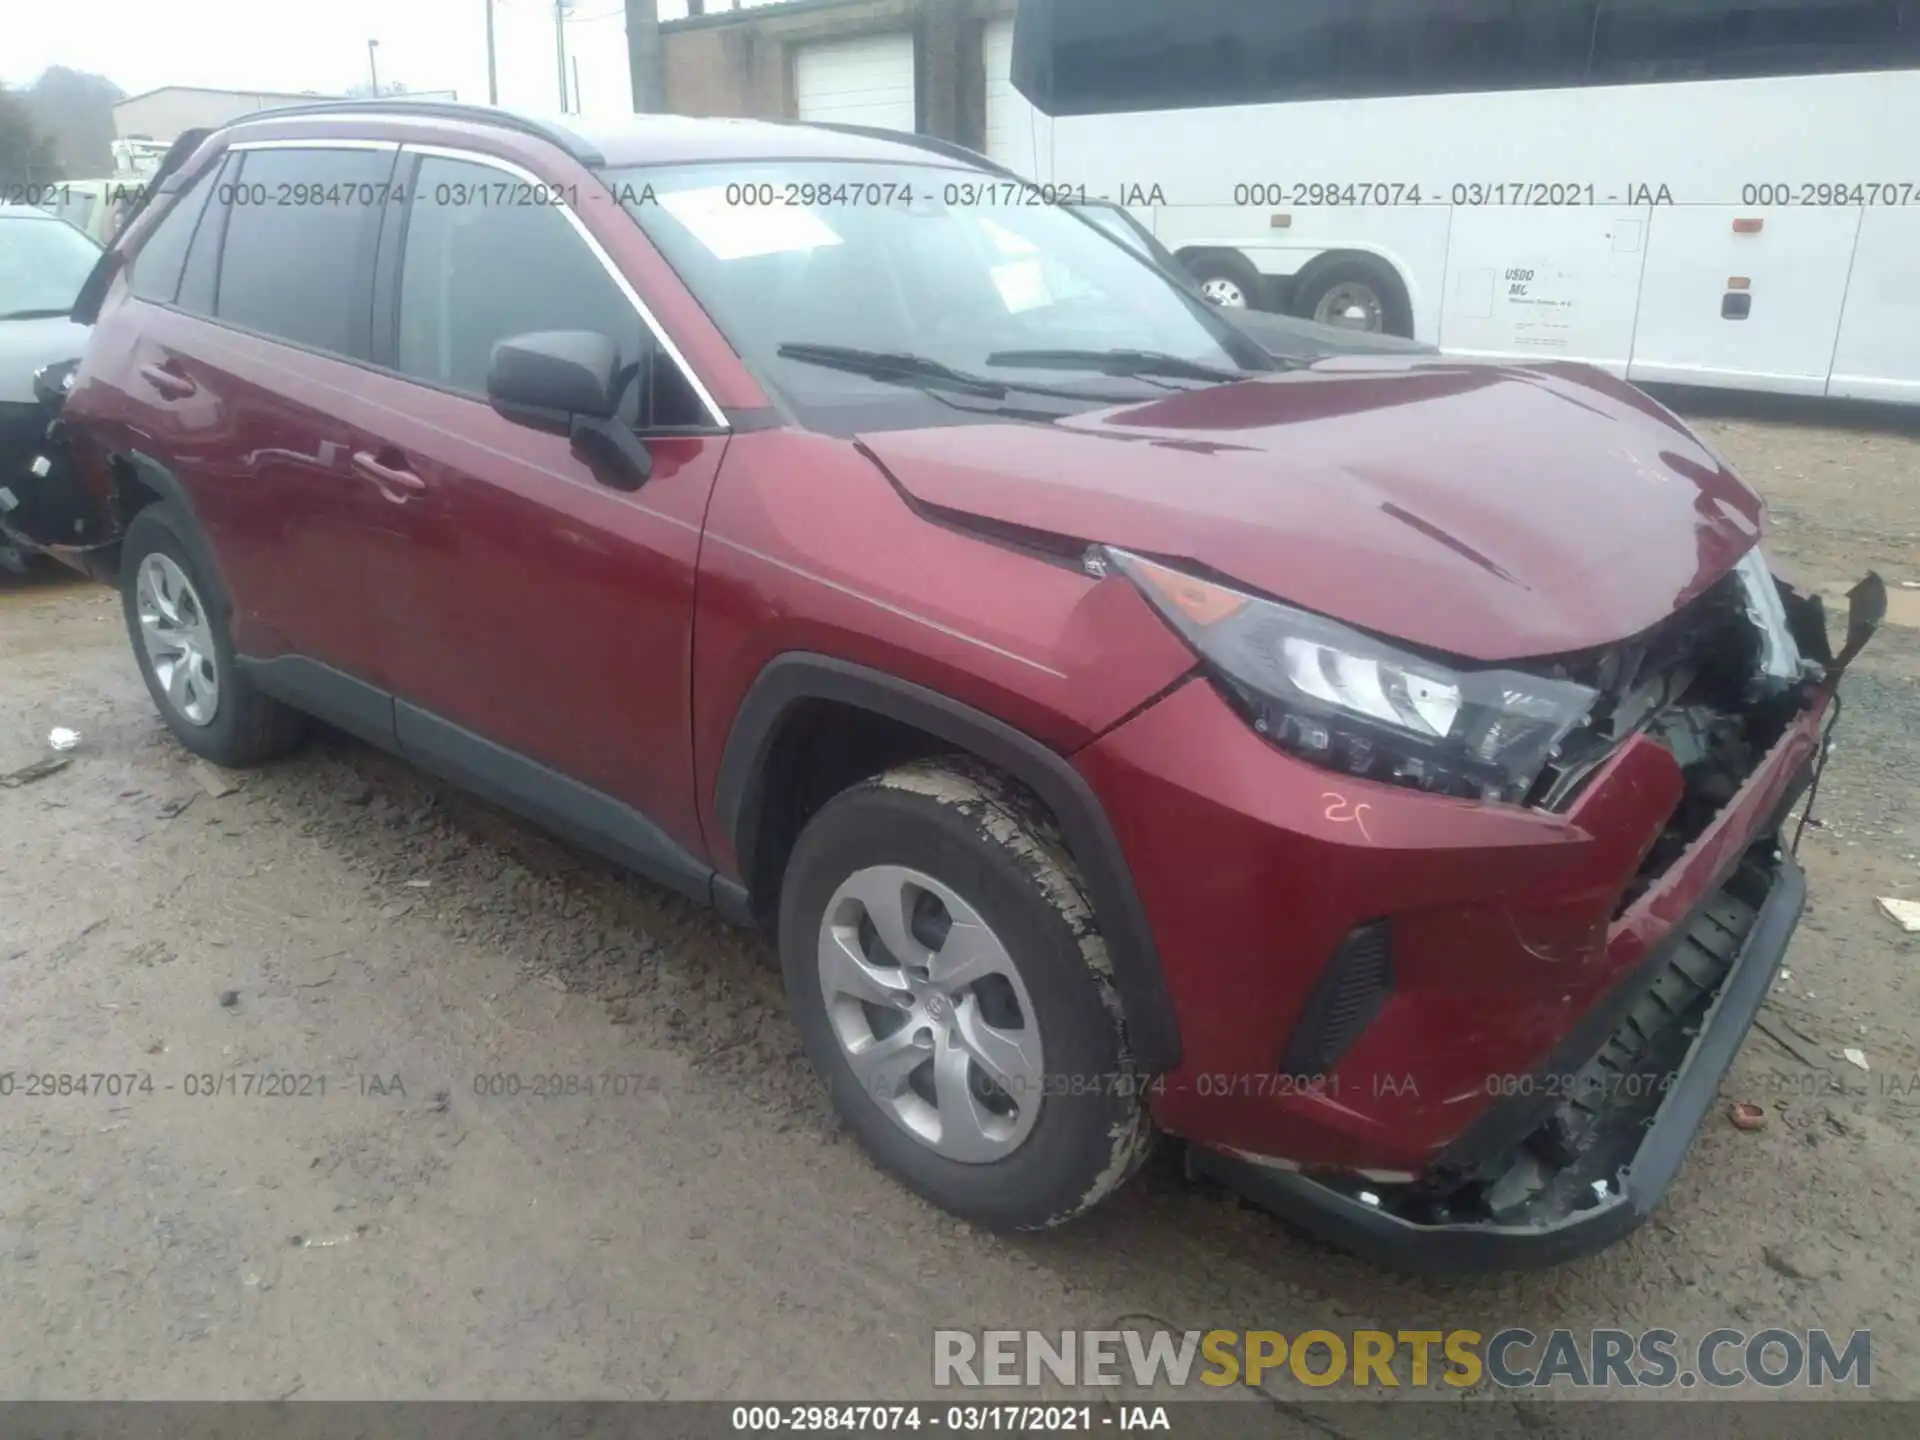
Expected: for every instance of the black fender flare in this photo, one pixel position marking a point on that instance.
(163, 482)
(796, 677)
(158, 478)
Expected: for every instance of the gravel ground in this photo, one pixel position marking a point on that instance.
(704, 1228)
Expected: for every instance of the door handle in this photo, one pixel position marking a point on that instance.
(395, 482)
(169, 384)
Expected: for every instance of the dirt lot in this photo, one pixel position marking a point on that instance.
(711, 1232)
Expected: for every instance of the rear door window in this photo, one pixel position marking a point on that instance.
(297, 261)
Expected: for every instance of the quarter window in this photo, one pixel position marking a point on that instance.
(156, 269)
(202, 270)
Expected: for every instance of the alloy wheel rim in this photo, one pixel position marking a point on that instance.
(931, 1013)
(178, 639)
(1352, 305)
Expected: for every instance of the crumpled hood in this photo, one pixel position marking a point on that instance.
(1486, 511)
(26, 345)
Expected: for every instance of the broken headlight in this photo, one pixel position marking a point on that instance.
(1760, 594)
(1342, 699)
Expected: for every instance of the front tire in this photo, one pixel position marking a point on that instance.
(948, 981)
(177, 619)
(1226, 279)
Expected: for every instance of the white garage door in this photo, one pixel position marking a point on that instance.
(858, 82)
(1011, 130)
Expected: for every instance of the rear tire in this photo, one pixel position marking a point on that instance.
(177, 618)
(1355, 292)
(966, 872)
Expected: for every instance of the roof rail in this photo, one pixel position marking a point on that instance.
(546, 130)
(933, 144)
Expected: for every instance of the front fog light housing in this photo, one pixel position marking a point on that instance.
(1339, 698)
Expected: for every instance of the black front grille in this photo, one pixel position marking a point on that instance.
(1350, 992)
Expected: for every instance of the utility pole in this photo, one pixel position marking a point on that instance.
(373, 67)
(577, 107)
(560, 47)
(493, 83)
(646, 62)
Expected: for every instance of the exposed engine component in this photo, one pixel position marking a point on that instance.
(1717, 684)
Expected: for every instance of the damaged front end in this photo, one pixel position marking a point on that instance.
(1737, 687)
(1717, 685)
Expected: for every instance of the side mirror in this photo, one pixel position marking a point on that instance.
(554, 373)
(570, 382)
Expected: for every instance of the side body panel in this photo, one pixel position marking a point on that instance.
(810, 548)
(538, 607)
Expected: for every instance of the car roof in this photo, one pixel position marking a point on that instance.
(627, 141)
(28, 212)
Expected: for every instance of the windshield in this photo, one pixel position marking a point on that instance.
(1114, 224)
(43, 262)
(953, 266)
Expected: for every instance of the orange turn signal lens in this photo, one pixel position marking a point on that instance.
(1199, 600)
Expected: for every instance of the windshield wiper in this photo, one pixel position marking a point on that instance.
(889, 365)
(1119, 363)
(922, 370)
(36, 314)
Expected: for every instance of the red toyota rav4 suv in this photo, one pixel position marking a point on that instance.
(1368, 771)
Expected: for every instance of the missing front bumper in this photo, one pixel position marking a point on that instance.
(1596, 1165)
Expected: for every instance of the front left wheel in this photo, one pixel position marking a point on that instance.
(179, 631)
(947, 979)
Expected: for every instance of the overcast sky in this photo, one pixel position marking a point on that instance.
(248, 45)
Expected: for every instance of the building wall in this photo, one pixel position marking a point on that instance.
(741, 62)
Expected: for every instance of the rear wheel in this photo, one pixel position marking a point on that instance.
(948, 981)
(1355, 293)
(179, 633)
